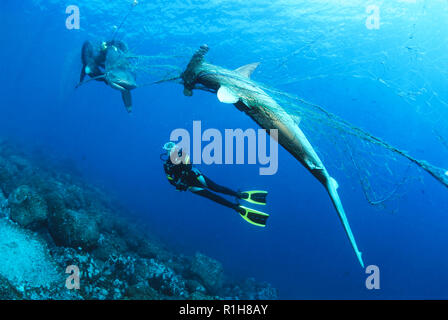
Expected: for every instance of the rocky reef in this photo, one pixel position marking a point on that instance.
(51, 219)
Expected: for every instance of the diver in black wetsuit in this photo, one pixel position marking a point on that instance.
(108, 63)
(181, 174)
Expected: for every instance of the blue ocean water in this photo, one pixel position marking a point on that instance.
(392, 81)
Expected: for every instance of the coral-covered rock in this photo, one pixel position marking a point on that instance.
(51, 191)
(250, 289)
(194, 286)
(117, 257)
(208, 271)
(8, 291)
(163, 278)
(2, 197)
(25, 259)
(27, 207)
(109, 244)
(74, 197)
(142, 291)
(60, 196)
(148, 249)
(22, 164)
(3, 205)
(201, 296)
(8, 175)
(73, 229)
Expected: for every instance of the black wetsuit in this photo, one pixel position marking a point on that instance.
(184, 177)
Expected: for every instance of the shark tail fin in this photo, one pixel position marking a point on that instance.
(332, 188)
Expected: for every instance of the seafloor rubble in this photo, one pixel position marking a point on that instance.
(50, 219)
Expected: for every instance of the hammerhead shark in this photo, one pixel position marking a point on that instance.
(235, 87)
(109, 64)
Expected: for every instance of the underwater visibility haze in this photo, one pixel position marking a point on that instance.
(82, 176)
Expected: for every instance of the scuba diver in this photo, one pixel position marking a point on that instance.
(108, 63)
(181, 174)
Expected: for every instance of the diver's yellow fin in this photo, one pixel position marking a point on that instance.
(254, 196)
(255, 217)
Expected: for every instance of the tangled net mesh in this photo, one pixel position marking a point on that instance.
(382, 169)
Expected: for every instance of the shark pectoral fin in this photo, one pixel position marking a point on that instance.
(115, 86)
(334, 183)
(91, 79)
(127, 99)
(225, 95)
(248, 69)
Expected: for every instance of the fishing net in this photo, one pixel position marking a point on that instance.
(154, 69)
(137, 71)
(382, 169)
(406, 79)
(142, 70)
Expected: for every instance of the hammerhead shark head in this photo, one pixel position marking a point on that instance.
(235, 87)
(109, 64)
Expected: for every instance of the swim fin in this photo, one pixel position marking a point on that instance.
(254, 196)
(252, 216)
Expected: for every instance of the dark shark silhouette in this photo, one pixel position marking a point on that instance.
(109, 64)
